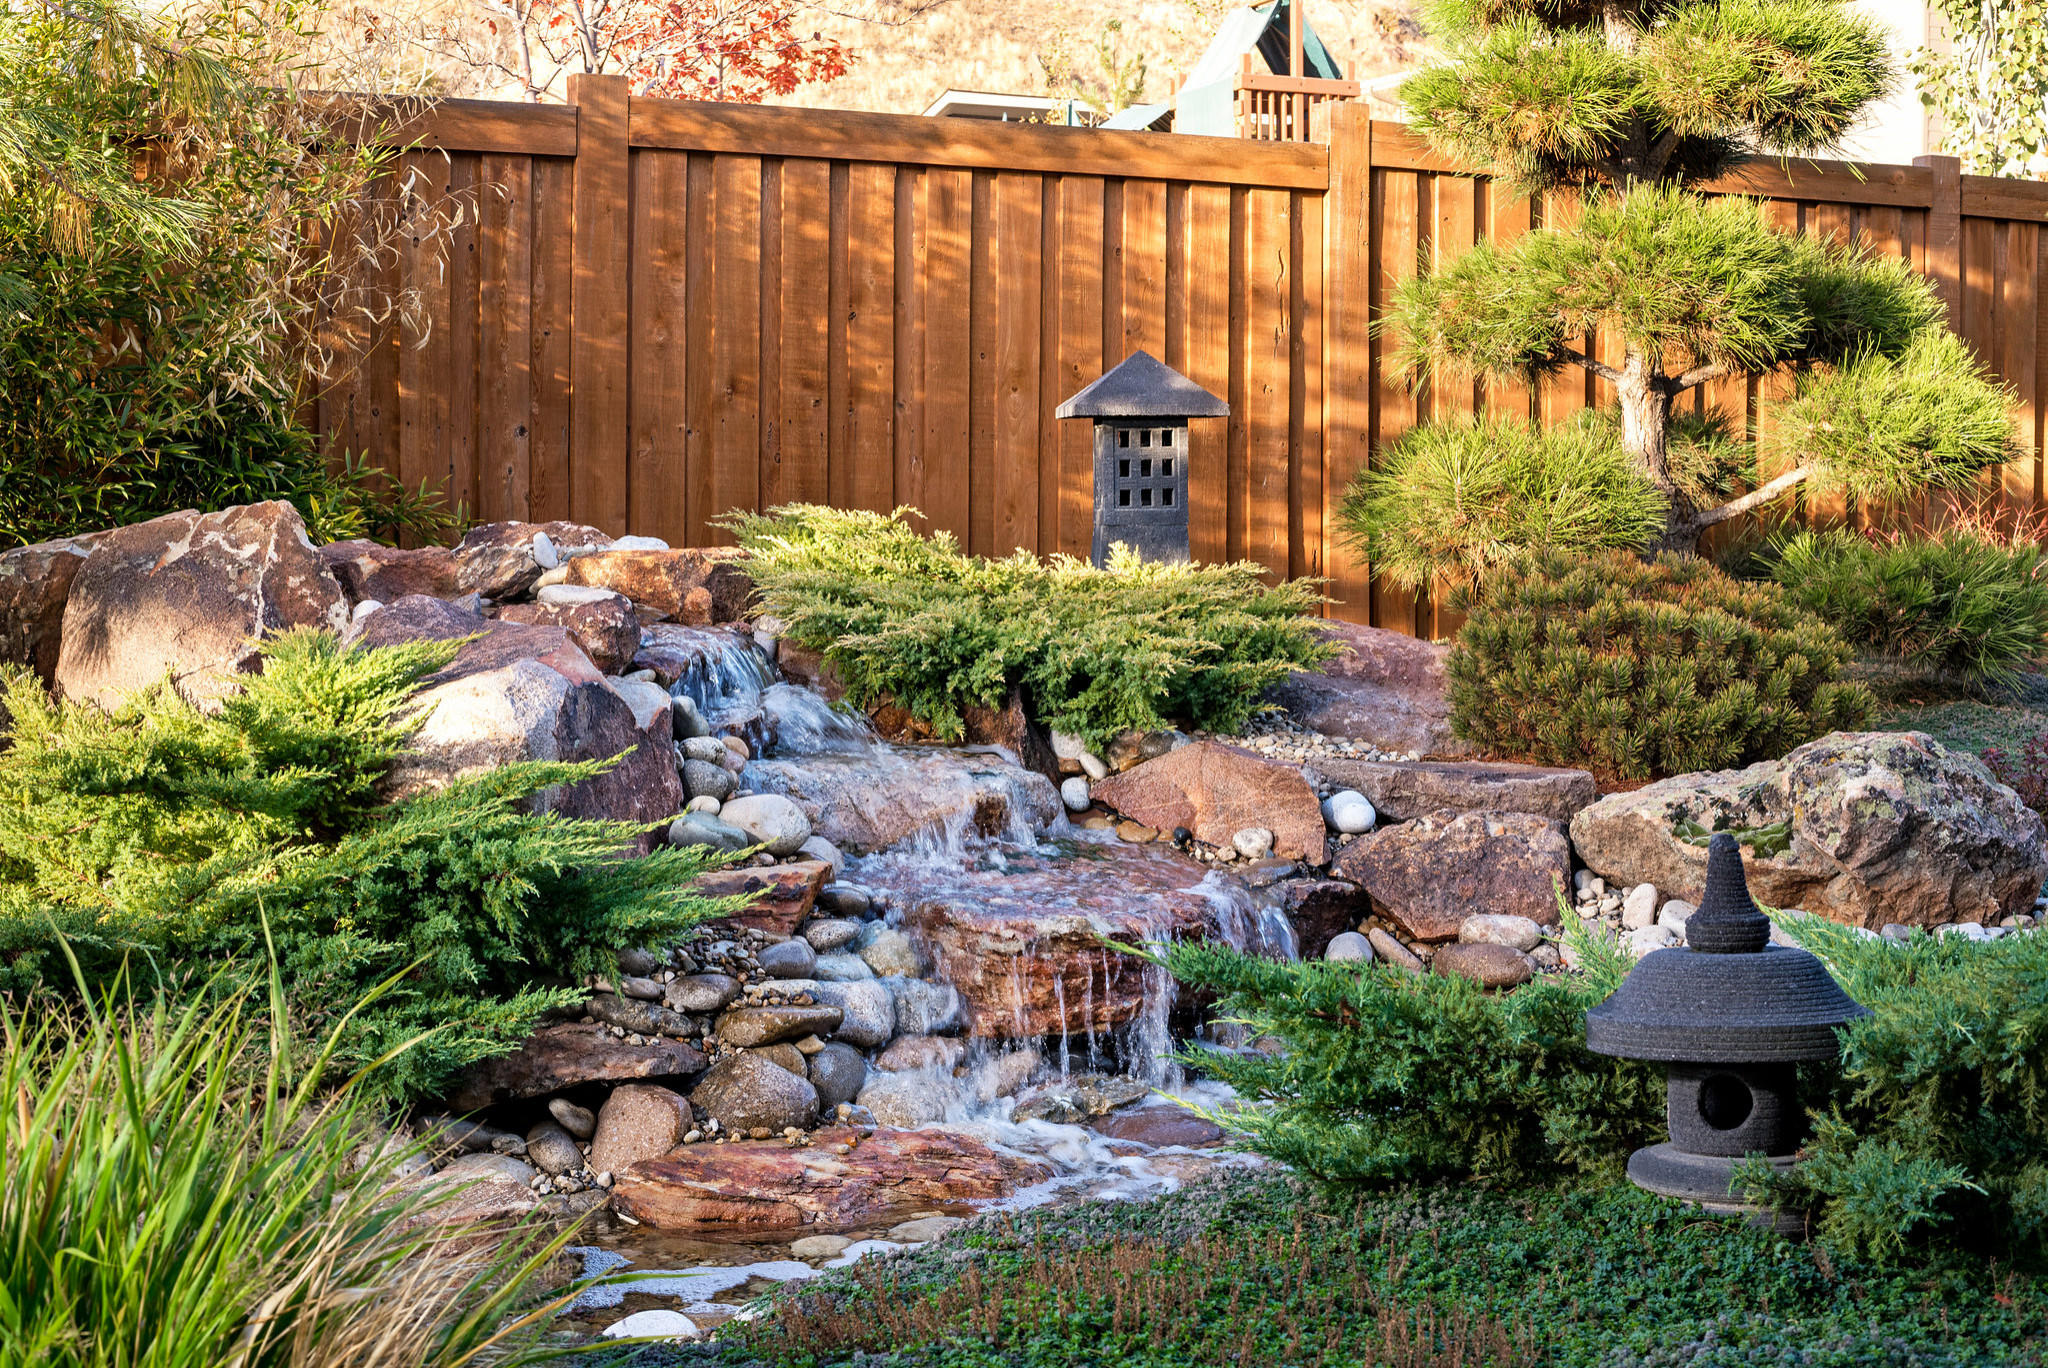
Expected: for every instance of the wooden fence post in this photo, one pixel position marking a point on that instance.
(600, 346)
(1347, 347)
(1945, 234)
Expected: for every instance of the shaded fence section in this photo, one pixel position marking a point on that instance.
(641, 314)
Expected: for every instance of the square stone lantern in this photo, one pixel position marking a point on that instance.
(1141, 409)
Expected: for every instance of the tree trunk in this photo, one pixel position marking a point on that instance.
(1645, 404)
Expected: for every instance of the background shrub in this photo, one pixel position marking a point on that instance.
(1391, 1075)
(1636, 668)
(910, 619)
(186, 840)
(1451, 499)
(1960, 602)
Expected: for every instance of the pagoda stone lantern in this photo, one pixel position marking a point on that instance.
(1141, 409)
(1732, 1016)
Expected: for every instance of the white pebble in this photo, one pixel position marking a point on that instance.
(665, 1324)
(1639, 908)
(1074, 793)
(1254, 843)
(1349, 812)
(1349, 946)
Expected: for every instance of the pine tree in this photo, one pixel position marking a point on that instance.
(1633, 103)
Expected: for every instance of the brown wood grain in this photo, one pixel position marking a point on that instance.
(700, 318)
(1395, 209)
(1347, 354)
(658, 479)
(945, 491)
(871, 335)
(1209, 258)
(1143, 262)
(505, 214)
(554, 269)
(803, 473)
(1017, 203)
(1080, 359)
(1267, 324)
(599, 356)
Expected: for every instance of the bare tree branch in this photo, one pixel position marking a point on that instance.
(1599, 368)
(1762, 494)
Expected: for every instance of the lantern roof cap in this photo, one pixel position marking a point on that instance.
(1143, 386)
(1733, 998)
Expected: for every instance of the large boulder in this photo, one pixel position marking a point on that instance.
(1382, 688)
(1878, 827)
(558, 1057)
(1216, 791)
(602, 625)
(843, 1178)
(1023, 741)
(1023, 944)
(869, 801)
(35, 583)
(745, 1091)
(1402, 790)
(502, 560)
(190, 595)
(1434, 872)
(692, 585)
(371, 570)
(527, 692)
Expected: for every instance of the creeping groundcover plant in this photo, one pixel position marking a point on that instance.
(908, 619)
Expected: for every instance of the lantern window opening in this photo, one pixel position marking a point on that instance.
(1166, 437)
(1123, 437)
(1144, 437)
(1166, 496)
(1166, 465)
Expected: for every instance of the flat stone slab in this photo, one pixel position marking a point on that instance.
(1402, 790)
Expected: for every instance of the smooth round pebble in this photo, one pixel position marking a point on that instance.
(1253, 843)
(665, 1324)
(1074, 793)
(1349, 812)
(1349, 946)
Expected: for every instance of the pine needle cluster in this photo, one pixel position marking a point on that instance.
(1389, 1075)
(1137, 645)
(187, 842)
(1636, 668)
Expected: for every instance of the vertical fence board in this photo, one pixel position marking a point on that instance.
(949, 243)
(1507, 219)
(504, 337)
(1208, 365)
(1347, 352)
(426, 359)
(1018, 199)
(735, 358)
(658, 490)
(1305, 390)
(1080, 359)
(700, 314)
(908, 478)
(803, 299)
(599, 354)
(871, 334)
(548, 443)
(1394, 210)
(981, 367)
(1143, 261)
(1268, 344)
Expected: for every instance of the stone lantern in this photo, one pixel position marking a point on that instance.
(1732, 1016)
(1141, 409)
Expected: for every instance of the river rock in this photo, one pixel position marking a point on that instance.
(1023, 944)
(888, 951)
(771, 820)
(1074, 793)
(557, 1057)
(786, 1055)
(1383, 688)
(708, 779)
(502, 560)
(552, 1149)
(838, 1072)
(1404, 790)
(923, 1007)
(772, 1186)
(818, 848)
(371, 570)
(35, 585)
(580, 1122)
(669, 581)
(791, 959)
(638, 1122)
(867, 1010)
(1349, 813)
(745, 1026)
(1349, 946)
(635, 986)
(907, 1100)
(189, 595)
(523, 692)
(842, 968)
(633, 1014)
(1217, 791)
(1884, 827)
(1489, 928)
(1434, 872)
(1639, 907)
(470, 1167)
(1393, 952)
(783, 895)
(605, 627)
(831, 933)
(1489, 966)
(700, 993)
(865, 802)
(743, 1092)
(909, 1053)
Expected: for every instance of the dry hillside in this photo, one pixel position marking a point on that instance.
(998, 45)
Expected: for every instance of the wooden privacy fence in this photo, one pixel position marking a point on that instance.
(640, 314)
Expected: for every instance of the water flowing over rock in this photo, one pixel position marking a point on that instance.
(1216, 791)
(770, 1186)
(1879, 827)
(558, 1057)
(870, 801)
(1405, 790)
(1383, 688)
(1434, 872)
(1020, 933)
(190, 595)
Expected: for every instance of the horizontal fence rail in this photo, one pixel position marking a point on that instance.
(642, 314)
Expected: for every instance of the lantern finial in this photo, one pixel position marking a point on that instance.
(1728, 921)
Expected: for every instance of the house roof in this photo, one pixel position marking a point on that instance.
(1143, 386)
